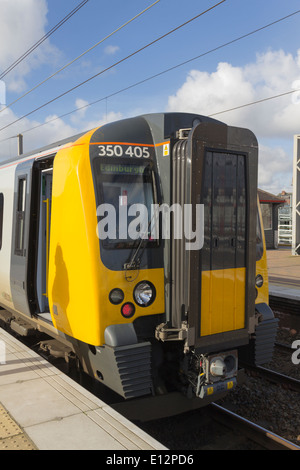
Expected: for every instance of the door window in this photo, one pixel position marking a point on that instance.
(20, 218)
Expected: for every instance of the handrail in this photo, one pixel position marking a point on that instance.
(46, 201)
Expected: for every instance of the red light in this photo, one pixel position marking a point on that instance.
(128, 310)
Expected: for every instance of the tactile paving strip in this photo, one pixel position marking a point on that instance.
(11, 435)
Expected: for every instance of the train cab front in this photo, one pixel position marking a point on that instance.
(127, 190)
(182, 304)
(154, 311)
(106, 275)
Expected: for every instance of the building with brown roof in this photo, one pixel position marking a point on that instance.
(270, 204)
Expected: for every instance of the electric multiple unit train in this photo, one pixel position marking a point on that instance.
(148, 315)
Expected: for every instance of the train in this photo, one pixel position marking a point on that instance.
(156, 304)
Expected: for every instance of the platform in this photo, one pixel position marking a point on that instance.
(284, 274)
(43, 409)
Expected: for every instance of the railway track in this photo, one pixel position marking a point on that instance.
(284, 347)
(261, 436)
(284, 305)
(214, 428)
(275, 377)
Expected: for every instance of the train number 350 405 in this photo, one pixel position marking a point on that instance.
(135, 151)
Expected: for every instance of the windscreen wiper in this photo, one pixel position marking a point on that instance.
(135, 263)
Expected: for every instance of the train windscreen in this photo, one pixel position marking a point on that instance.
(125, 201)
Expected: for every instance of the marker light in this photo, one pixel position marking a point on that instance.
(259, 280)
(144, 293)
(128, 310)
(116, 296)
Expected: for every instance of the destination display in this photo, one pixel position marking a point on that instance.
(123, 169)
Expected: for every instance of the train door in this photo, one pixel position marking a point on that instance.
(39, 236)
(223, 260)
(43, 239)
(222, 273)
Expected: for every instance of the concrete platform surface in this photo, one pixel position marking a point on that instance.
(41, 408)
(284, 273)
(282, 265)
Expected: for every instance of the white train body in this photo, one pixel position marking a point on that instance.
(7, 179)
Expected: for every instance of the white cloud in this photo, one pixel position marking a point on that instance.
(111, 50)
(274, 72)
(82, 106)
(206, 93)
(104, 119)
(55, 129)
(80, 118)
(22, 24)
(52, 132)
(275, 168)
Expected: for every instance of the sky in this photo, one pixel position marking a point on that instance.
(253, 68)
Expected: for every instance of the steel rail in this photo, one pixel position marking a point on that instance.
(262, 436)
(276, 377)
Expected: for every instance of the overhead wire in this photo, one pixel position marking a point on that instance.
(255, 102)
(80, 56)
(173, 68)
(209, 115)
(42, 39)
(114, 65)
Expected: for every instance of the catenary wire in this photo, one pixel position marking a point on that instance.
(262, 100)
(80, 56)
(171, 69)
(120, 91)
(42, 39)
(113, 65)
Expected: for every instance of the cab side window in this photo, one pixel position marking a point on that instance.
(259, 239)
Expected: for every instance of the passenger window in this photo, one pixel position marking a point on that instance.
(1, 217)
(259, 239)
(20, 217)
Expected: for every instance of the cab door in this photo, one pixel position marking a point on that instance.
(223, 263)
(224, 163)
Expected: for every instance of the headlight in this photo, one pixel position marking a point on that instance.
(259, 280)
(144, 293)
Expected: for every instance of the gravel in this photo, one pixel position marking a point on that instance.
(267, 404)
